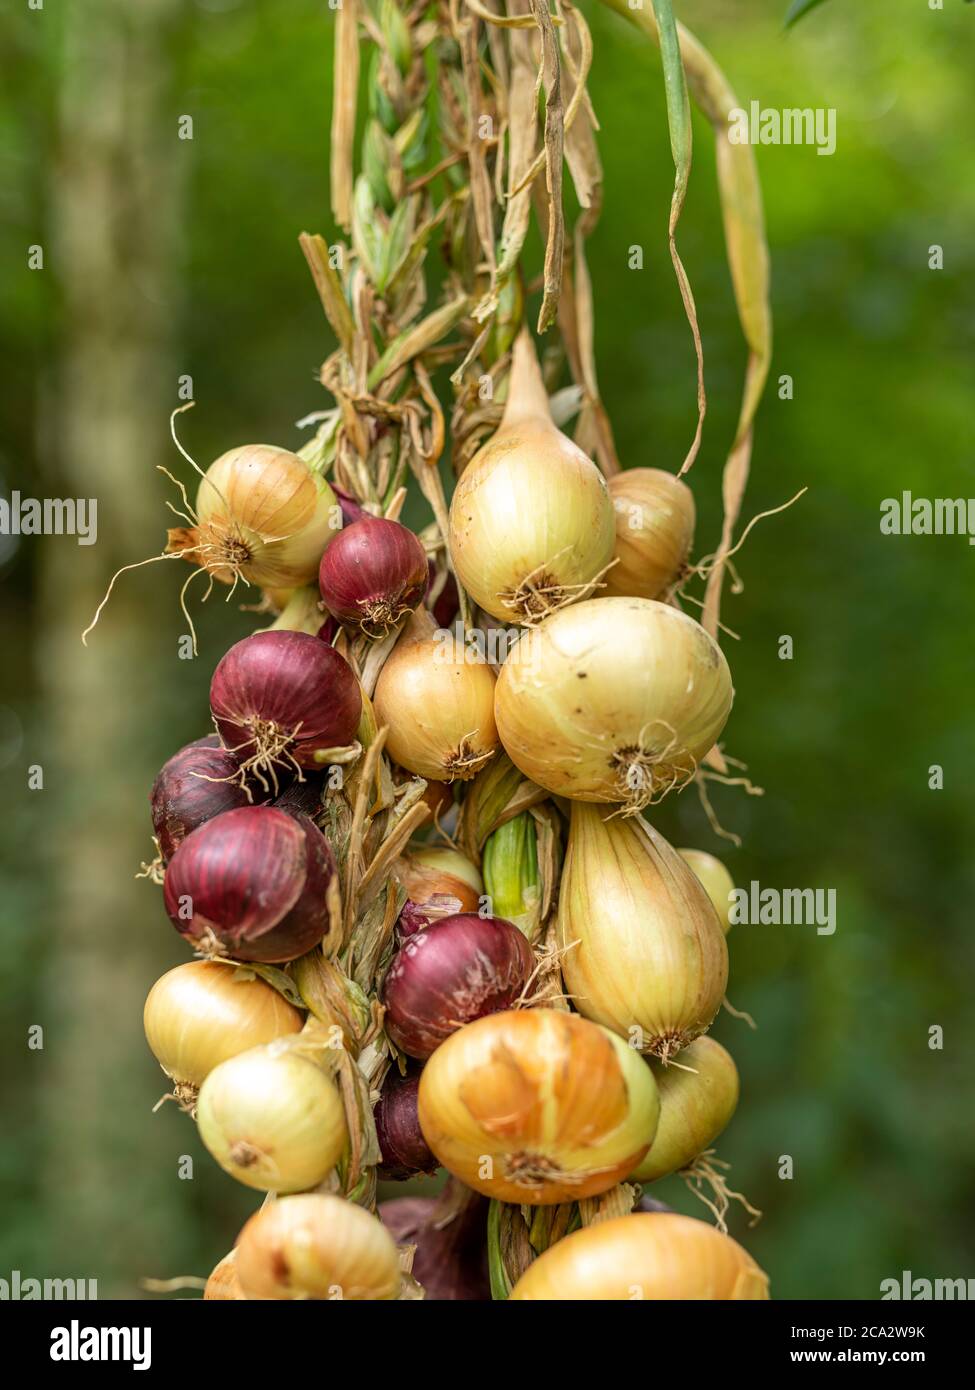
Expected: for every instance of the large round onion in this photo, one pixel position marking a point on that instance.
(537, 1106)
(654, 531)
(645, 1255)
(614, 699)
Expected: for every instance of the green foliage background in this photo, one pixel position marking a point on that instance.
(839, 1074)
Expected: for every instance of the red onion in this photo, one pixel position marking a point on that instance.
(373, 574)
(196, 784)
(405, 1151)
(455, 971)
(279, 698)
(250, 884)
(446, 605)
(450, 1235)
(352, 511)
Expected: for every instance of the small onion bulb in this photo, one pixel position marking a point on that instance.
(537, 1106)
(272, 1119)
(613, 700)
(317, 1246)
(716, 881)
(695, 1106)
(654, 532)
(644, 1256)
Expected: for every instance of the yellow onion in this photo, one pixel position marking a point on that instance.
(537, 1106)
(716, 880)
(317, 1246)
(643, 950)
(440, 878)
(531, 522)
(272, 1119)
(223, 1284)
(439, 709)
(695, 1106)
(654, 532)
(262, 515)
(657, 1255)
(202, 1013)
(614, 699)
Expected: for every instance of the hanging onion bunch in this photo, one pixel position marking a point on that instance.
(439, 708)
(613, 700)
(373, 574)
(251, 884)
(537, 1106)
(316, 1246)
(531, 522)
(642, 948)
(654, 532)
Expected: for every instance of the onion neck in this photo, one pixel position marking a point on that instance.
(527, 396)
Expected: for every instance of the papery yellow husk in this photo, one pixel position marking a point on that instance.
(317, 1246)
(537, 1106)
(695, 1106)
(654, 532)
(531, 522)
(643, 951)
(647, 1255)
(716, 881)
(441, 873)
(613, 700)
(261, 514)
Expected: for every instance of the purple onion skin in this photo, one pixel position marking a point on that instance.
(405, 1151)
(373, 573)
(451, 1263)
(329, 630)
(446, 606)
(411, 920)
(352, 511)
(255, 880)
(192, 787)
(453, 972)
(291, 681)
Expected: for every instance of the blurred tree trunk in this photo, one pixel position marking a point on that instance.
(112, 245)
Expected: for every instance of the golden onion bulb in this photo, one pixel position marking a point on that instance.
(653, 1255)
(531, 522)
(613, 700)
(202, 1013)
(223, 1284)
(261, 514)
(642, 948)
(272, 1119)
(697, 1101)
(316, 1246)
(716, 881)
(537, 1106)
(654, 513)
(437, 707)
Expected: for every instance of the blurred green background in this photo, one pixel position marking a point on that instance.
(165, 257)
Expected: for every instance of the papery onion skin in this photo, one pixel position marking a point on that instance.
(192, 787)
(250, 884)
(654, 532)
(439, 709)
(317, 1246)
(644, 1256)
(272, 1120)
(223, 1284)
(642, 948)
(695, 1106)
(373, 574)
(537, 1106)
(404, 1150)
(202, 1013)
(715, 880)
(613, 700)
(454, 971)
(279, 698)
(437, 871)
(263, 514)
(531, 522)
(450, 1260)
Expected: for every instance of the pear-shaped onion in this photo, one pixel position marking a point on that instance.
(643, 950)
(537, 1106)
(202, 1013)
(261, 514)
(531, 523)
(614, 699)
(317, 1246)
(272, 1119)
(646, 1255)
(697, 1101)
(716, 881)
(654, 532)
(439, 708)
